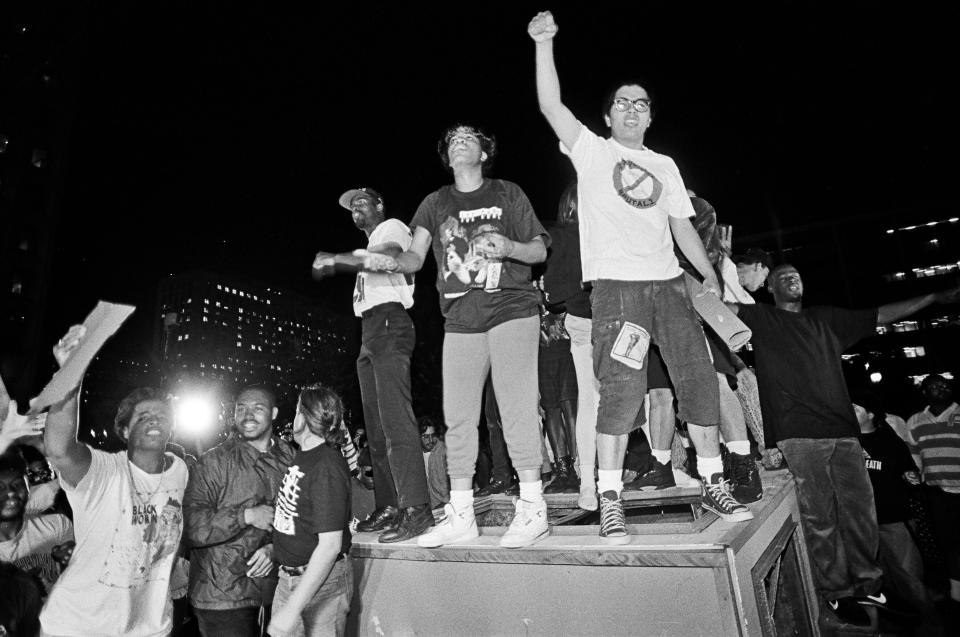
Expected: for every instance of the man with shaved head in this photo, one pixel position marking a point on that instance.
(808, 414)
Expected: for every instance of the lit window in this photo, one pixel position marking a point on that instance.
(219, 287)
(238, 343)
(914, 352)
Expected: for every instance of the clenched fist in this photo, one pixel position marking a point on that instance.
(542, 27)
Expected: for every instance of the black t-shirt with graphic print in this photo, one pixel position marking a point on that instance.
(314, 498)
(477, 292)
(887, 458)
(803, 393)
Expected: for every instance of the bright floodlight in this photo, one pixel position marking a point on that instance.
(876, 377)
(195, 414)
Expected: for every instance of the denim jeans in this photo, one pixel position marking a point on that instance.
(838, 514)
(325, 614)
(383, 369)
(665, 310)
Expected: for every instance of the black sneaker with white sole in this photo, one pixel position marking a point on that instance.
(849, 611)
(715, 496)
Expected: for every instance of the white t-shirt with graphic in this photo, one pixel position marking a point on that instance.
(377, 288)
(625, 199)
(118, 578)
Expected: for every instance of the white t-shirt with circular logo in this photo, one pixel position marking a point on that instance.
(625, 199)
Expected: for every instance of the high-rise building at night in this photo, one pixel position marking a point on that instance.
(219, 331)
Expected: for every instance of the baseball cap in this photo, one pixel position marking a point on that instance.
(348, 196)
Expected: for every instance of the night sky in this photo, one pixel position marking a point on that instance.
(219, 135)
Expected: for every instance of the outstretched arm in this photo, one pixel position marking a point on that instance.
(901, 309)
(543, 29)
(407, 262)
(326, 264)
(67, 455)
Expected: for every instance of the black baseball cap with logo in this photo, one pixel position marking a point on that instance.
(347, 197)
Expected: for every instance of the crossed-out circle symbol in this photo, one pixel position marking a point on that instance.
(628, 169)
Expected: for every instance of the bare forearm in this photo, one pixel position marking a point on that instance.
(548, 81)
(895, 311)
(68, 456)
(409, 262)
(530, 252)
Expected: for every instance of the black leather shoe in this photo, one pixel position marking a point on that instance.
(381, 519)
(413, 521)
(495, 486)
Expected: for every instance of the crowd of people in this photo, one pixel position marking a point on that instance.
(582, 351)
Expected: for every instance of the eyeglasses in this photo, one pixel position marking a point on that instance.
(641, 104)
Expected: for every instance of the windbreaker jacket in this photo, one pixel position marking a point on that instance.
(228, 479)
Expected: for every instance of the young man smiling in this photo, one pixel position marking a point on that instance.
(807, 413)
(633, 208)
(381, 301)
(127, 516)
(228, 507)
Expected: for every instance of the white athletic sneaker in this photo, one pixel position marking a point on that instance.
(456, 526)
(529, 525)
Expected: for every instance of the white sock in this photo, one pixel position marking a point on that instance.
(610, 480)
(739, 447)
(461, 500)
(706, 467)
(587, 485)
(662, 456)
(531, 491)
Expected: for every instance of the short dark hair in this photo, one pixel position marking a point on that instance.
(11, 460)
(271, 395)
(488, 144)
(933, 378)
(322, 408)
(755, 255)
(612, 94)
(438, 427)
(130, 402)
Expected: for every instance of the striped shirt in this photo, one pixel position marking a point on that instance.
(935, 443)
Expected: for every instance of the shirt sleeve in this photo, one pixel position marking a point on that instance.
(583, 149)
(523, 225)
(327, 505)
(395, 231)
(425, 216)
(678, 202)
(103, 467)
(849, 326)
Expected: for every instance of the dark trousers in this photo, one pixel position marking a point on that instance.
(903, 568)
(235, 622)
(383, 368)
(502, 468)
(838, 514)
